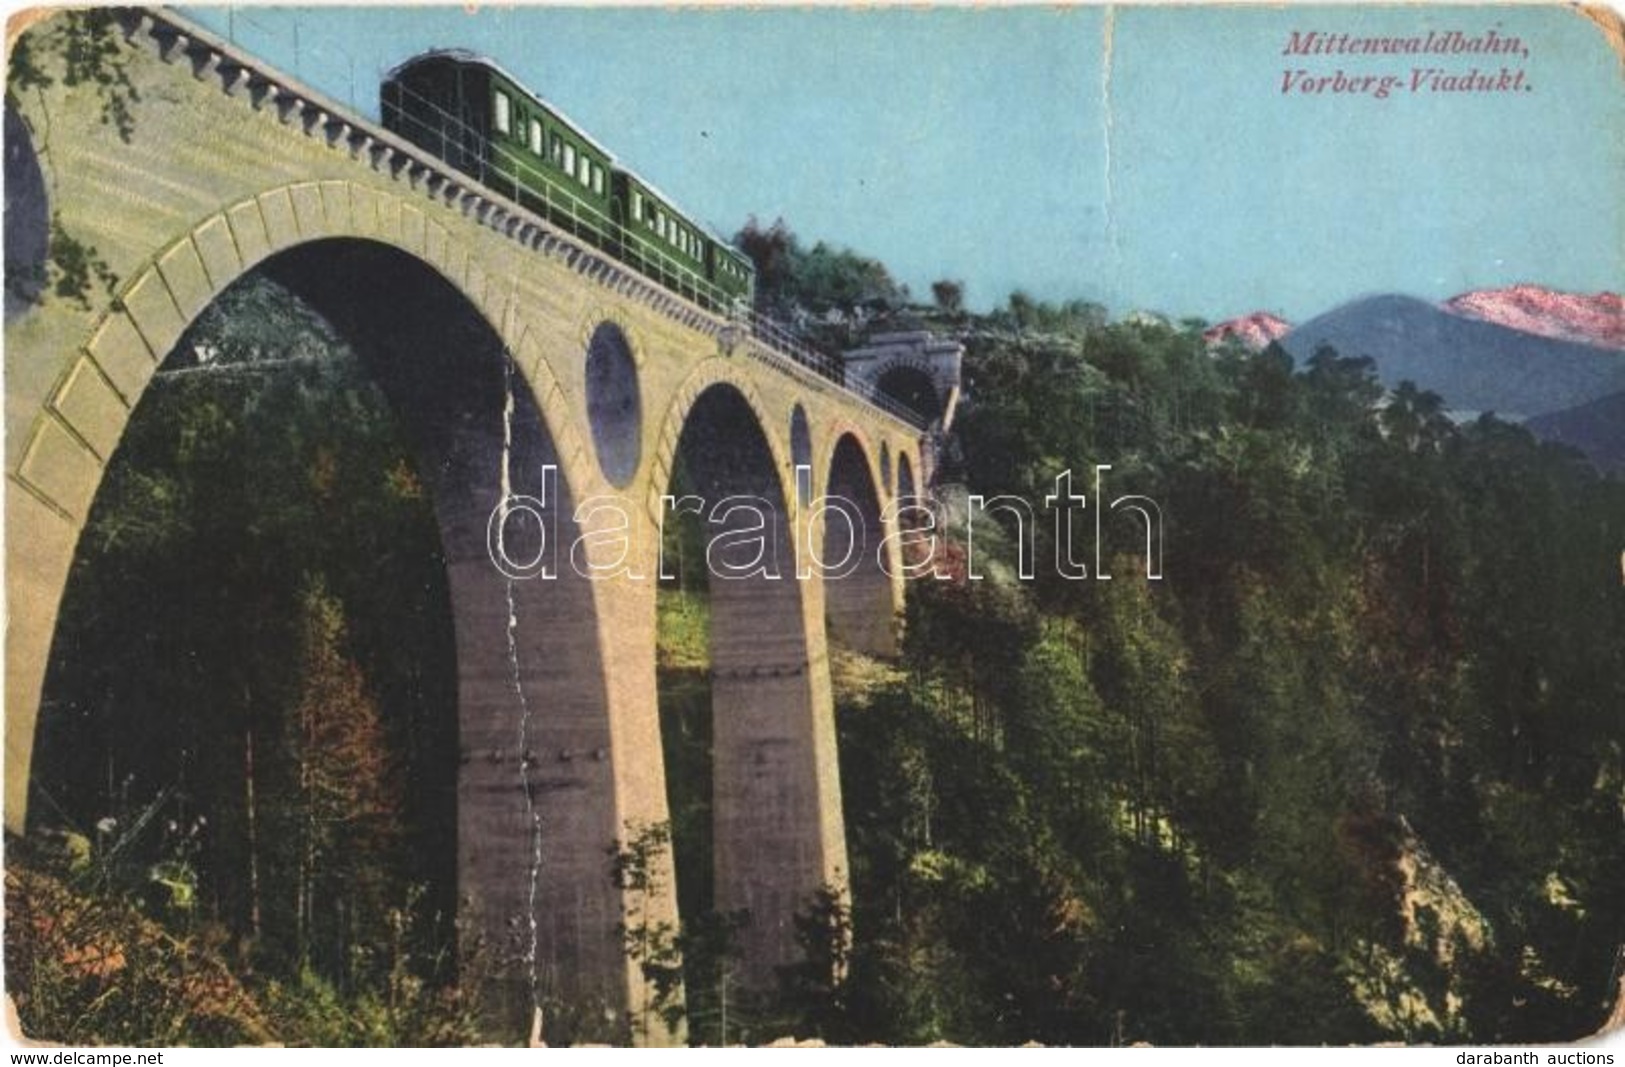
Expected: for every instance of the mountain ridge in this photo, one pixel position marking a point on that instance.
(1596, 319)
(1475, 364)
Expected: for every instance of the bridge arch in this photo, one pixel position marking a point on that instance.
(906, 489)
(861, 600)
(776, 826)
(537, 798)
(707, 374)
(79, 428)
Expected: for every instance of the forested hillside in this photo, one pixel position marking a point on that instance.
(1351, 770)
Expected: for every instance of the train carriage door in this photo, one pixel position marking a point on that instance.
(470, 120)
(634, 226)
(617, 215)
(617, 226)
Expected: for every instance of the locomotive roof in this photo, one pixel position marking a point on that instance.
(470, 57)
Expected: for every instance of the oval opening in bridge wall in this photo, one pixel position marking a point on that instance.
(614, 407)
(800, 450)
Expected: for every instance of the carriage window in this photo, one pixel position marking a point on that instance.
(583, 170)
(598, 180)
(660, 223)
(502, 116)
(637, 204)
(557, 148)
(536, 136)
(569, 158)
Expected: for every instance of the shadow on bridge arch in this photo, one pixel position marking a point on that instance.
(773, 810)
(905, 478)
(860, 596)
(535, 803)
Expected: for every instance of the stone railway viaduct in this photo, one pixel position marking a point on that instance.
(507, 348)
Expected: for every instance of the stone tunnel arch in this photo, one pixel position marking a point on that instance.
(776, 829)
(535, 797)
(912, 387)
(860, 596)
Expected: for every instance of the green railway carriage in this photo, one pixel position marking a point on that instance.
(663, 243)
(467, 111)
(733, 272)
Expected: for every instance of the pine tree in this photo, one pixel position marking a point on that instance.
(346, 800)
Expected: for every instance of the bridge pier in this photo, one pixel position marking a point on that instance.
(558, 746)
(777, 833)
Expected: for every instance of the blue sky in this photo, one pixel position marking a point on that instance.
(974, 143)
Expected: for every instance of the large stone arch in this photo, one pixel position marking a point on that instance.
(704, 375)
(540, 795)
(914, 369)
(862, 599)
(910, 383)
(74, 434)
(777, 829)
(829, 440)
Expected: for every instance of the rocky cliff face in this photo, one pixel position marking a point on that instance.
(1255, 331)
(1590, 318)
